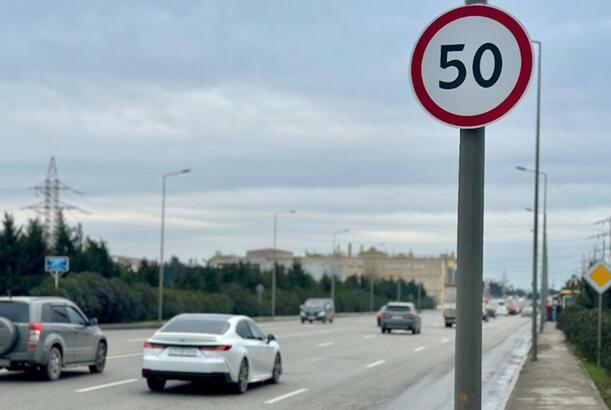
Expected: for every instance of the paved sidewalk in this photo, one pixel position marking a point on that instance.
(556, 381)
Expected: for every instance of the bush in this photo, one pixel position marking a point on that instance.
(110, 300)
(581, 329)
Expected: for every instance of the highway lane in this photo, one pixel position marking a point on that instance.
(346, 365)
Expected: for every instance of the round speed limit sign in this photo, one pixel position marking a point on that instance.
(471, 65)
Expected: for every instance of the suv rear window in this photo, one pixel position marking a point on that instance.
(213, 327)
(399, 308)
(17, 312)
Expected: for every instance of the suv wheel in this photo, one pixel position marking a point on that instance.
(100, 359)
(53, 369)
(155, 384)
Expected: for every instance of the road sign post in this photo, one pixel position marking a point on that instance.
(599, 278)
(57, 266)
(469, 68)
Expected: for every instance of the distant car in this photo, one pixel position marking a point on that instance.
(501, 308)
(46, 334)
(209, 347)
(317, 309)
(527, 311)
(490, 311)
(400, 315)
(379, 314)
(449, 315)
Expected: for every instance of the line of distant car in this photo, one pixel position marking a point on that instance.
(490, 310)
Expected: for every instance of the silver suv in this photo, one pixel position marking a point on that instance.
(48, 334)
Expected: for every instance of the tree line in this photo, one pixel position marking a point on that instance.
(113, 292)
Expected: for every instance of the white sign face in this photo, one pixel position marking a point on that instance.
(471, 66)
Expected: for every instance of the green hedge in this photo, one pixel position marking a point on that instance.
(581, 329)
(113, 300)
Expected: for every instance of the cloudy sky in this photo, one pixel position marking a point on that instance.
(292, 104)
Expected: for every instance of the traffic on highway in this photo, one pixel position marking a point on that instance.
(203, 360)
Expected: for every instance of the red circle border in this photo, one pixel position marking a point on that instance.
(478, 120)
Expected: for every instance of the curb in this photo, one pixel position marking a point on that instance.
(514, 380)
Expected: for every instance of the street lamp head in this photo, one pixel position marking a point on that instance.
(521, 168)
(292, 211)
(528, 209)
(185, 171)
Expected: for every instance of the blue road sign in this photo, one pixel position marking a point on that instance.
(57, 264)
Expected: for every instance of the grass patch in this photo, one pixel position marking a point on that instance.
(602, 380)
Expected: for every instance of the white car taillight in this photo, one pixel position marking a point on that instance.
(215, 348)
(35, 334)
(152, 347)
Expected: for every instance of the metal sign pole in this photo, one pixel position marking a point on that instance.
(468, 356)
(600, 329)
(56, 277)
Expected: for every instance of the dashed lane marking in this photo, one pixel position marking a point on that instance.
(374, 364)
(286, 396)
(105, 386)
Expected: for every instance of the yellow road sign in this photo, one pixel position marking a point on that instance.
(599, 276)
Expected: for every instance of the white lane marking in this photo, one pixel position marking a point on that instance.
(286, 396)
(374, 364)
(325, 344)
(104, 386)
(446, 340)
(369, 337)
(136, 340)
(419, 349)
(122, 356)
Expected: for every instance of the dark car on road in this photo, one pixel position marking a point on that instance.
(317, 309)
(47, 334)
(400, 315)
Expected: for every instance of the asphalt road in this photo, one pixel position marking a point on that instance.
(345, 365)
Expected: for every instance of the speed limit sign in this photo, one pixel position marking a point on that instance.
(471, 65)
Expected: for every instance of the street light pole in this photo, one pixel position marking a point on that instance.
(274, 270)
(335, 256)
(164, 177)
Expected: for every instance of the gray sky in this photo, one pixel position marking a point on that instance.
(292, 104)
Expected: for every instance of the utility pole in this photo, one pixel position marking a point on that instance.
(275, 268)
(51, 207)
(398, 290)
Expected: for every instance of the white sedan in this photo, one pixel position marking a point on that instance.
(211, 347)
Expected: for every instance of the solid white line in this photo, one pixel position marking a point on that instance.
(286, 396)
(103, 386)
(419, 349)
(446, 340)
(374, 364)
(122, 356)
(369, 337)
(325, 344)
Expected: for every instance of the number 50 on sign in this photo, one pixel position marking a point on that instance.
(471, 65)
